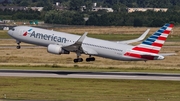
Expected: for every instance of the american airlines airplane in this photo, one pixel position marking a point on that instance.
(64, 43)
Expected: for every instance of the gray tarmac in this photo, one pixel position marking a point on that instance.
(91, 75)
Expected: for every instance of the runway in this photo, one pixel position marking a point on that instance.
(91, 75)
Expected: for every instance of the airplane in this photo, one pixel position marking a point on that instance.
(64, 43)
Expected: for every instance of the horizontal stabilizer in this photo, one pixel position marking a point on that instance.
(152, 57)
(145, 56)
(168, 54)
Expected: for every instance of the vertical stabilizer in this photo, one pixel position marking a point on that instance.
(152, 45)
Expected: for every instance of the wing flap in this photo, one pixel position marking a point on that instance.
(89, 51)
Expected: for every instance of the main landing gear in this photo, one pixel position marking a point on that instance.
(18, 46)
(80, 59)
(90, 59)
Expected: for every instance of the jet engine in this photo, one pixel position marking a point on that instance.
(56, 49)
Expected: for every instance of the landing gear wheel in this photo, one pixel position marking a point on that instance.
(75, 60)
(90, 59)
(18, 47)
(78, 60)
(18, 44)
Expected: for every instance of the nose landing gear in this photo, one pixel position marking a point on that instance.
(18, 46)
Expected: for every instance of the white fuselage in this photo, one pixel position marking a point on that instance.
(43, 37)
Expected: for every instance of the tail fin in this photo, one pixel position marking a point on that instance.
(154, 43)
(150, 47)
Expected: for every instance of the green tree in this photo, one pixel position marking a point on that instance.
(24, 3)
(76, 4)
(116, 8)
(78, 19)
(138, 22)
(40, 4)
(93, 20)
(157, 22)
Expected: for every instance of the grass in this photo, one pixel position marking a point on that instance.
(4, 35)
(15, 88)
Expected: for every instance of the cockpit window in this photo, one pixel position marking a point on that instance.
(13, 29)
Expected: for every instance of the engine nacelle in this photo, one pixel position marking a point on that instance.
(56, 49)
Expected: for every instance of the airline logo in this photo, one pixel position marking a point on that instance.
(45, 36)
(152, 45)
(26, 33)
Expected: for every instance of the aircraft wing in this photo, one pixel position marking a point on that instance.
(77, 46)
(135, 40)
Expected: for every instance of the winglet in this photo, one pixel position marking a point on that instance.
(136, 40)
(143, 35)
(80, 40)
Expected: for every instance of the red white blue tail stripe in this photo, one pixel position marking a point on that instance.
(152, 45)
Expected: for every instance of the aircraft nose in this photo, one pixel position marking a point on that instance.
(10, 32)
